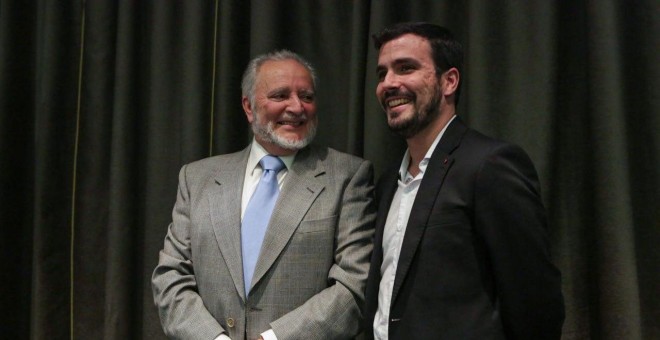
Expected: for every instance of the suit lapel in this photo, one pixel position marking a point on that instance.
(385, 190)
(385, 193)
(299, 192)
(225, 208)
(425, 200)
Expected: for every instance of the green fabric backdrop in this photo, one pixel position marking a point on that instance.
(101, 103)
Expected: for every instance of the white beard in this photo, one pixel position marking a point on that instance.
(266, 132)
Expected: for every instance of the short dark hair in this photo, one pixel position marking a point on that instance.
(446, 51)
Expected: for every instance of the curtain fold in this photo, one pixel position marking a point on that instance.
(57, 38)
(17, 159)
(102, 102)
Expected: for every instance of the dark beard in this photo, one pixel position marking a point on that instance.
(420, 120)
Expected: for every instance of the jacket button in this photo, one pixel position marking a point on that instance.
(230, 322)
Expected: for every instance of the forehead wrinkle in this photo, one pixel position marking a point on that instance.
(287, 82)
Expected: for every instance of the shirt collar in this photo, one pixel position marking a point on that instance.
(257, 152)
(403, 169)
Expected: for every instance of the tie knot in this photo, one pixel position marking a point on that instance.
(270, 162)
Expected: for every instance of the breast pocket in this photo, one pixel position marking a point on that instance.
(312, 248)
(448, 256)
(453, 217)
(319, 225)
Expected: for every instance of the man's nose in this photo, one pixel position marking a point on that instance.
(296, 105)
(391, 80)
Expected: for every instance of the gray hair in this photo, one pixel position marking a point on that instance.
(250, 75)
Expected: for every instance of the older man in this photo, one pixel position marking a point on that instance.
(273, 241)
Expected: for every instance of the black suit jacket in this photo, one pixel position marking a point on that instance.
(475, 260)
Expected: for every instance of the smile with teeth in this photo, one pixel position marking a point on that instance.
(397, 102)
(291, 123)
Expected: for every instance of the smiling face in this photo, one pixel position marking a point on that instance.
(408, 88)
(283, 114)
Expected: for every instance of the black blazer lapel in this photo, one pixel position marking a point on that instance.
(425, 200)
(384, 195)
(385, 190)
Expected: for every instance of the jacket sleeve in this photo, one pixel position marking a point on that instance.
(181, 310)
(510, 217)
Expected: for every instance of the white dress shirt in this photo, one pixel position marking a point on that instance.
(253, 173)
(395, 229)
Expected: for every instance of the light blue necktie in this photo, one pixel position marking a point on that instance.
(257, 215)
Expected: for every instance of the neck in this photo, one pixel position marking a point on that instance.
(419, 144)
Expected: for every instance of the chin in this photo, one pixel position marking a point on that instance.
(285, 140)
(292, 138)
(291, 142)
(397, 123)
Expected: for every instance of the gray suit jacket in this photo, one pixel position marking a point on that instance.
(310, 277)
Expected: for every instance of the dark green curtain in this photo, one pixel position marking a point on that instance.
(101, 103)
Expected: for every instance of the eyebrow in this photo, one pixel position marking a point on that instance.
(287, 89)
(279, 90)
(399, 62)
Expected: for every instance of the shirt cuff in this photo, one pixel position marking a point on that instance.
(269, 335)
(222, 336)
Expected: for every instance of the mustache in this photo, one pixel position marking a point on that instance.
(397, 92)
(298, 117)
(387, 94)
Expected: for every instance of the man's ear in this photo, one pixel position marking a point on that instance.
(451, 78)
(247, 107)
